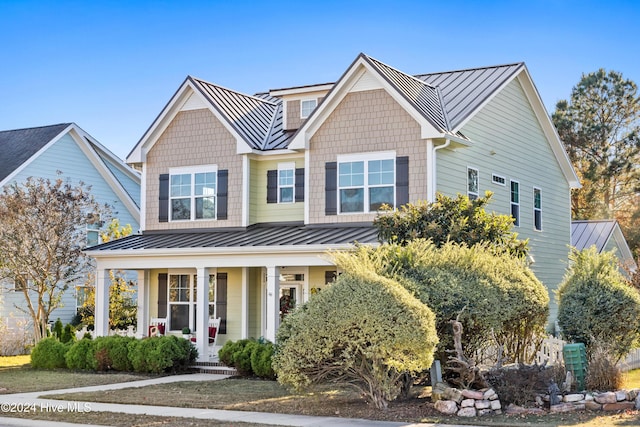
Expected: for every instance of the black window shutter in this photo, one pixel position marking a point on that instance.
(300, 185)
(331, 188)
(272, 186)
(402, 181)
(223, 191)
(163, 198)
(162, 295)
(221, 301)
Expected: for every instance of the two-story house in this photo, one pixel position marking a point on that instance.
(42, 152)
(243, 195)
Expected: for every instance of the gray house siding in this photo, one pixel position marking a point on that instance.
(508, 141)
(67, 157)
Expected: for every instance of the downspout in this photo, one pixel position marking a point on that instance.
(431, 195)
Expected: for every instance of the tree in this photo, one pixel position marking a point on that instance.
(364, 331)
(596, 306)
(42, 234)
(458, 220)
(600, 127)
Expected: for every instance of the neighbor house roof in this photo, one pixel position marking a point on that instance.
(19, 145)
(262, 235)
(600, 233)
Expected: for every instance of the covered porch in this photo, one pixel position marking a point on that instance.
(249, 285)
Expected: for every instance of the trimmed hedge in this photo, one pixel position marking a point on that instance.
(49, 354)
(249, 357)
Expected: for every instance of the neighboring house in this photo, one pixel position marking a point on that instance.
(243, 195)
(43, 151)
(605, 235)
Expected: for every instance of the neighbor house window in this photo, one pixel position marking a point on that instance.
(286, 182)
(537, 209)
(472, 183)
(365, 184)
(93, 229)
(307, 106)
(192, 193)
(20, 284)
(515, 202)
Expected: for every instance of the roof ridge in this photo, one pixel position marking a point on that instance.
(471, 69)
(400, 71)
(66, 124)
(231, 90)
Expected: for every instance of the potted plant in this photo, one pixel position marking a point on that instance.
(186, 333)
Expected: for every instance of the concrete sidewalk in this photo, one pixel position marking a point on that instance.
(39, 400)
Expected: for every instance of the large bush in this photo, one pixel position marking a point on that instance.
(492, 295)
(595, 304)
(81, 356)
(113, 353)
(161, 354)
(249, 357)
(49, 354)
(364, 331)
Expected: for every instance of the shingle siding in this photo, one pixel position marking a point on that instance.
(194, 138)
(364, 122)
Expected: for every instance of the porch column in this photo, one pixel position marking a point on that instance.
(101, 315)
(143, 303)
(202, 314)
(244, 325)
(273, 302)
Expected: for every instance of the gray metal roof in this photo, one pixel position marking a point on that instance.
(464, 91)
(423, 96)
(258, 119)
(585, 234)
(253, 236)
(18, 145)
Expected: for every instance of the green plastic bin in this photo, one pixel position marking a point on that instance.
(575, 360)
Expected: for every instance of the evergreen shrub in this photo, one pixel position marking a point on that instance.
(82, 356)
(49, 353)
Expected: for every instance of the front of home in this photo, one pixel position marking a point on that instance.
(65, 151)
(242, 196)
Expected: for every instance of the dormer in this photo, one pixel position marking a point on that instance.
(299, 102)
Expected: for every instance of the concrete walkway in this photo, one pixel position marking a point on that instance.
(39, 401)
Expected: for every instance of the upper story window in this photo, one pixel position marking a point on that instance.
(515, 202)
(537, 209)
(286, 182)
(307, 106)
(366, 182)
(472, 183)
(192, 193)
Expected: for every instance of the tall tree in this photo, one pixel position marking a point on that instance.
(42, 233)
(600, 127)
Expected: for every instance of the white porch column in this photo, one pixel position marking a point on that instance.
(202, 314)
(101, 315)
(143, 303)
(273, 302)
(244, 332)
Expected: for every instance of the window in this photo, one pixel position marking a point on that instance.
(515, 202)
(365, 185)
(472, 183)
(93, 229)
(182, 300)
(497, 179)
(537, 209)
(286, 182)
(193, 193)
(20, 284)
(307, 106)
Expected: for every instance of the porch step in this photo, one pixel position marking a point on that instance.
(213, 368)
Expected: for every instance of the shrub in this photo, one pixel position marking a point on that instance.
(602, 373)
(595, 304)
(68, 334)
(363, 331)
(261, 360)
(82, 356)
(57, 329)
(161, 354)
(520, 384)
(237, 354)
(49, 353)
(491, 295)
(113, 353)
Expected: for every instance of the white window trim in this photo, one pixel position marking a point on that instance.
(533, 194)
(282, 167)
(364, 157)
(302, 101)
(192, 170)
(511, 203)
(500, 177)
(191, 303)
(469, 193)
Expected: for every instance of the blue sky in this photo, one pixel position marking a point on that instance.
(111, 66)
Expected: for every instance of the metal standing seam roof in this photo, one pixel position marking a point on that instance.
(464, 91)
(253, 236)
(585, 234)
(258, 119)
(18, 145)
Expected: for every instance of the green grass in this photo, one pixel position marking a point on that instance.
(632, 379)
